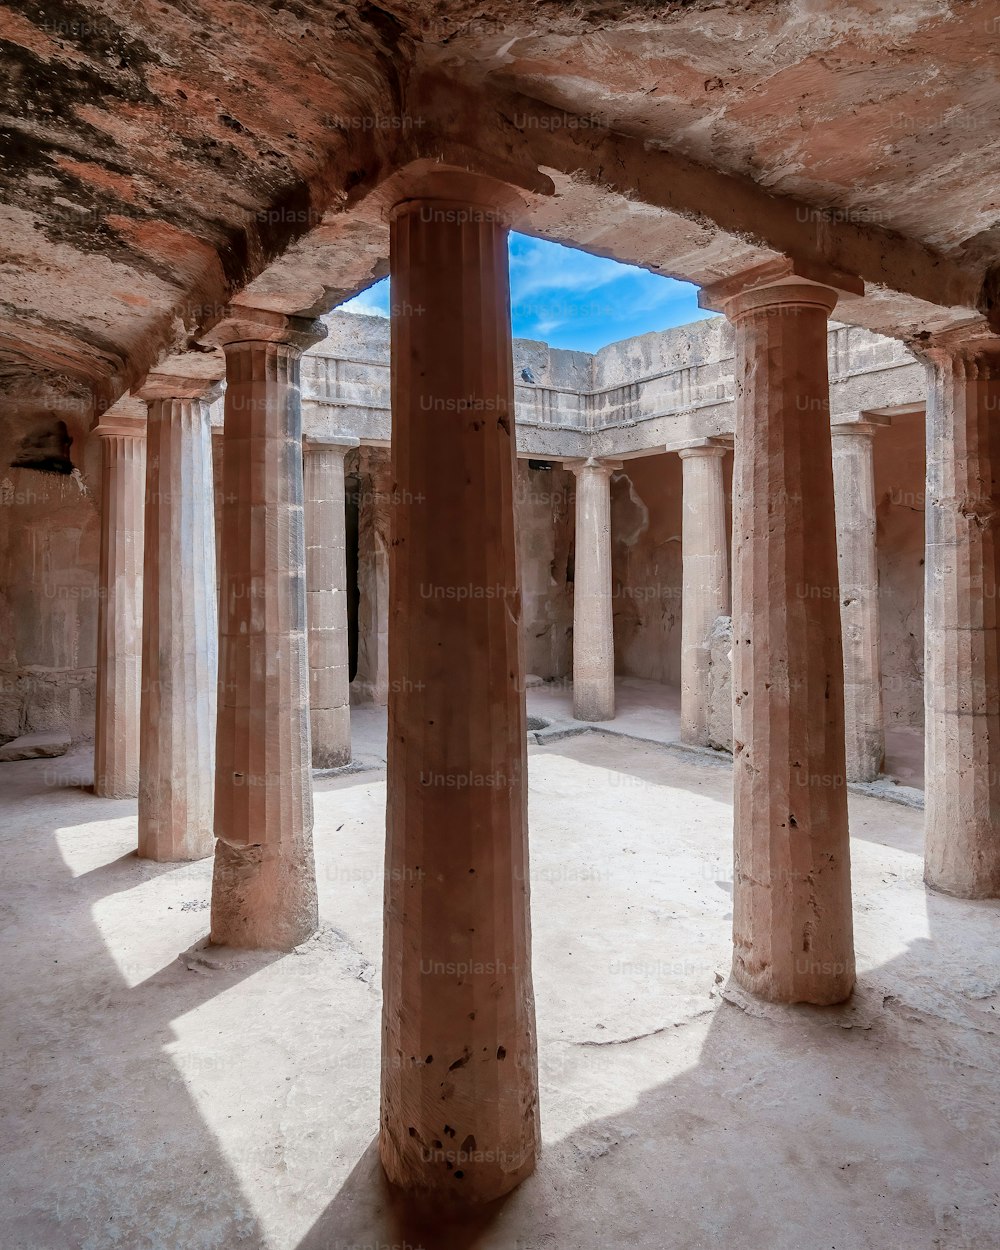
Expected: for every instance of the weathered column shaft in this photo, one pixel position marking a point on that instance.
(371, 681)
(326, 591)
(264, 884)
(792, 923)
(706, 590)
(962, 624)
(593, 607)
(119, 625)
(854, 490)
(179, 635)
(459, 1082)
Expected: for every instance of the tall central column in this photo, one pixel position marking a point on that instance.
(854, 488)
(792, 922)
(326, 590)
(705, 560)
(593, 608)
(459, 1116)
(119, 610)
(264, 882)
(179, 624)
(962, 619)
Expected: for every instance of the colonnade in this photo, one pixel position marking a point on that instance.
(459, 1066)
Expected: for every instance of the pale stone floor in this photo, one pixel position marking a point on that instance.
(153, 1100)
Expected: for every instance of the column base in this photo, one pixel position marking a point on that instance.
(592, 704)
(263, 897)
(452, 1185)
(331, 737)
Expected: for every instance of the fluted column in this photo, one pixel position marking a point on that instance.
(119, 613)
(705, 561)
(371, 681)
(179, 624)
(459, 1115)
(854, 490)
(264, 882)
(326, 596)
(962, 620)
(593, 615)
(792, 922)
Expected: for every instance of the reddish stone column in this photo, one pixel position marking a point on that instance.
(459, 1114)
(119, 613)
(264, 884)
(180, 632)
(326, 590)
(593, 608)
(962, 620)
(705, 557)
(792, 922)
(854, 488)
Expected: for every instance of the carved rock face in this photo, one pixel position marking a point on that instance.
(45, 448)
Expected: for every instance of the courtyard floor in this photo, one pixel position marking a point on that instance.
(161, 1096)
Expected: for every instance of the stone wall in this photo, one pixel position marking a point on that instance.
(545, 504)
(49, 549)
(899, 500)
(646, 568)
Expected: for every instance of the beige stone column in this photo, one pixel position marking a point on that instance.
(593, 615)
(264, 883)
(854, 491)
(459, 1116)
(371, 681)
(180, 633)
(706, 590)
(962, 619)
(326, 598)
(792, 923)
(119, 613)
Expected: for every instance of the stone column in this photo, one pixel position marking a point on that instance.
(180, 632)
(854, 489)
(705, 556)
(218, 490)
(371, 681)
(459, 1114)
(792, 922)
(264, 883)
(326, 596)
(593, 616)
(962, 620)
(119, 612)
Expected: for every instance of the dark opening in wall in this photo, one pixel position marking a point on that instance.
(45, 448)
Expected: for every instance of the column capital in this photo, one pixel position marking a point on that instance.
(121, 426)
(330, 442)
(428, 187)
(970, 343)
(781, 282)
(187, 375)
(594, 464)
(861, 429)
(706, 448)
(243, 324)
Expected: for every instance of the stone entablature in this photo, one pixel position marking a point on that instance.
(653, 393)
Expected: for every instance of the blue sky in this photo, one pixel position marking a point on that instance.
(570, 299)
